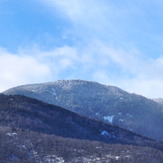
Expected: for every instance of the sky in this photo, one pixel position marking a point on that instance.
(116, 43)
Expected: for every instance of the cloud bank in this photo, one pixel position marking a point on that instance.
(20, 69)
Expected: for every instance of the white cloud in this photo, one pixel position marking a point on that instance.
(87, 16)
(58, 59)
(76, 9)
(19, 69)
(102, 76)
(151, 88)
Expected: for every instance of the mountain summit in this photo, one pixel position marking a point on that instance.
(106, 103)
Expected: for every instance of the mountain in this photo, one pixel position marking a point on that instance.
(159, 100)
(106, 103)
(35, 132)
(27, 113)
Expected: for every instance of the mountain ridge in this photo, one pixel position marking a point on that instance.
(50, 119)
(106, 103)
(34, 131)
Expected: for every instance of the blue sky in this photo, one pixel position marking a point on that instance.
(113, 42)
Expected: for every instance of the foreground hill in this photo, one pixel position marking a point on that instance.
(25, 146)
(106, 103)
(35, 132)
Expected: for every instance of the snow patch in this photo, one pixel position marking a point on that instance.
(129, 115)
(117, 157)
(11, 134)
(107, 135)
(54, 92)
(104, 133)
(98, 147)
(109, 118)
(53, 159)
(114, 157)
(23, 147)
(97, 114)
(127, 156)
(34, 90)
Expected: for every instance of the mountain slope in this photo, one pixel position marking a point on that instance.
(107, 103)
(26, 113)
(35, 132)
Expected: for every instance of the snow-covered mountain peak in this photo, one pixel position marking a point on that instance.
(89, 88)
